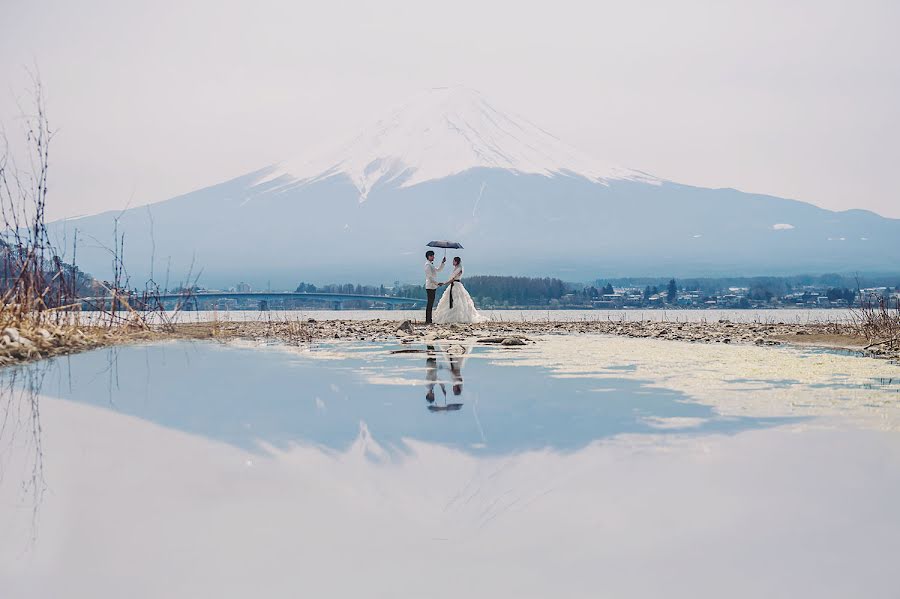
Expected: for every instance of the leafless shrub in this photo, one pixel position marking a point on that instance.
(878, 320)
(36, 281)
(37, 284)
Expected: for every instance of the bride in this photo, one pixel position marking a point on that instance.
(456, 304)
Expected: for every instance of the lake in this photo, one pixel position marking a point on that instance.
(578, 466)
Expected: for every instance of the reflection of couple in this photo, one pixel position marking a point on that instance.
(456, 304)
(431, 379)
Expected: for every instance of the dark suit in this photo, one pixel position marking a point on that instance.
(430, 306)
(430, 273)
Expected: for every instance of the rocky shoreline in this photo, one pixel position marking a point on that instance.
(28, 342)
(23, 344)
(18, 345)
(827, 335)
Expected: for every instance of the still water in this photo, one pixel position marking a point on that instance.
(575, 467)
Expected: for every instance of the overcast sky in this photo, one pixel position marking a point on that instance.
(153, 99)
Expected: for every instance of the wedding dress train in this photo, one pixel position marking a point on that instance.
(462, 309)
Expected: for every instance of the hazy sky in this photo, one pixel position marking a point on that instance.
(153, 99)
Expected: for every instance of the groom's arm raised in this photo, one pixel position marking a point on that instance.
(441, 267)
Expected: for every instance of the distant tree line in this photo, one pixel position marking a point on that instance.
(845, 294)
(52, 278)
(515, 291)
(345, 288)
(506, 291)
(486, 290)
(758, 286)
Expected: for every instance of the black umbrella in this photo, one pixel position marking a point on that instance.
(454, 245)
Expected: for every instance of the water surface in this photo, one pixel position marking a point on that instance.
(576, 467)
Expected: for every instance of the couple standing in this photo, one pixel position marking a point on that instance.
(456, 304)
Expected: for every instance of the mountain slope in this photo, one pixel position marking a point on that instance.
(448, 165)
(442, 132)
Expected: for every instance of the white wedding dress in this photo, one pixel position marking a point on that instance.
(463, 310)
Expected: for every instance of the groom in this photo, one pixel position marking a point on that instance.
(431, 283)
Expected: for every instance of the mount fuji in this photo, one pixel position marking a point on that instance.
(448, 165)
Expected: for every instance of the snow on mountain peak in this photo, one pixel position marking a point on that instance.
(442, 132)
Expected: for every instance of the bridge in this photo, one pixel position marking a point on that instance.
(265, 299)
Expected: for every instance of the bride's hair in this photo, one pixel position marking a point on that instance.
(457, 260)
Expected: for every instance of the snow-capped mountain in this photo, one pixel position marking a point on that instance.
(442, 132)
(449, 165)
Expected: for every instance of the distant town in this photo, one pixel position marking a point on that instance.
(504, 292)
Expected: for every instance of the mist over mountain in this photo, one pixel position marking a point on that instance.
(447, 164)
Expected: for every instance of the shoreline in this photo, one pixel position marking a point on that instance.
(37, 343)
(820, 335)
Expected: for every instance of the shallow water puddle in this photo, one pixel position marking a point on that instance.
(577, 467)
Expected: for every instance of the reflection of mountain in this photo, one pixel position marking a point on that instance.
(247, 396)
(449, 165)
(739, 516)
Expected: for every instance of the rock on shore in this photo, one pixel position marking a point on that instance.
(26, 343)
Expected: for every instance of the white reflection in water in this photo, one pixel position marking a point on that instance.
(246, 397)
(157, 492)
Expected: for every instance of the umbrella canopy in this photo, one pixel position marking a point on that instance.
(445, 244)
